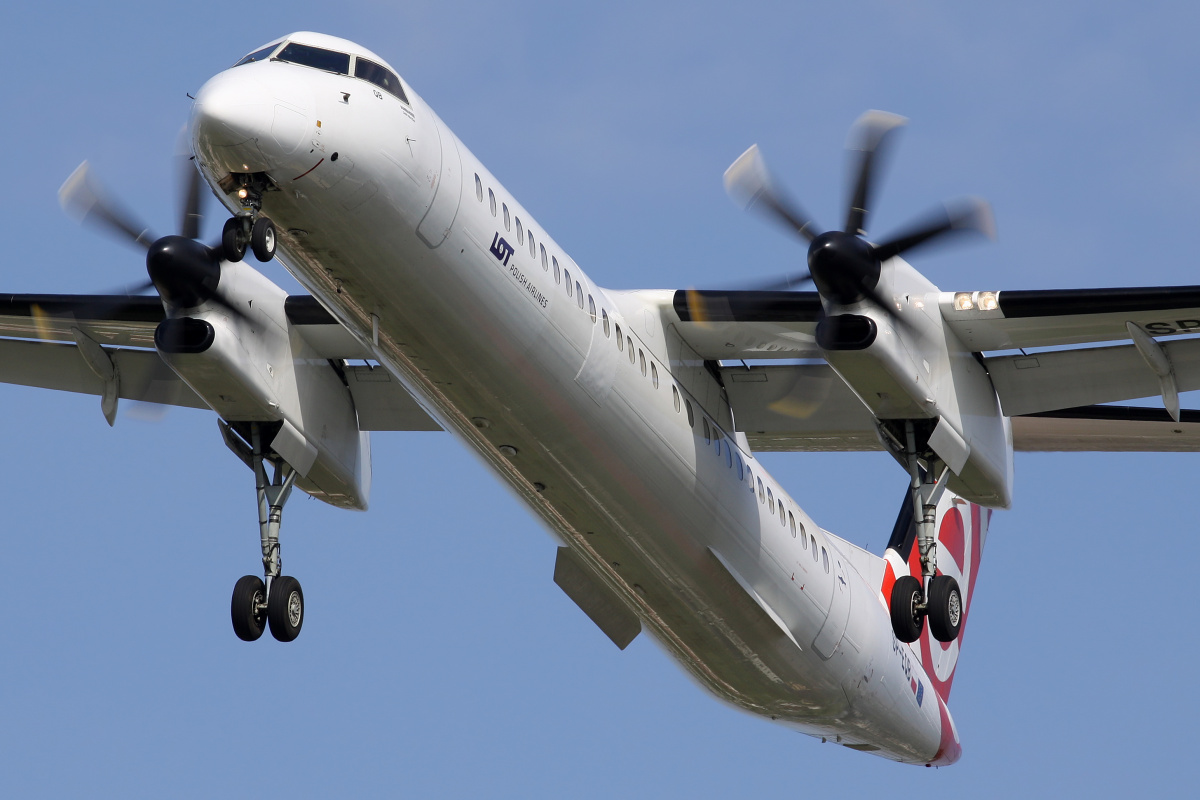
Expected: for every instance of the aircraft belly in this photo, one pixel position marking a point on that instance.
(623, 482)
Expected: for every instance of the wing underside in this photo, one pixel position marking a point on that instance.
(1076, 350)
(104, 345)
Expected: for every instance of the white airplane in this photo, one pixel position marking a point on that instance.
(626, 420)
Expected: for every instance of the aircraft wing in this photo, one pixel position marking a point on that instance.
(722, 326)
(736, 324)
(104, 345)
(1057, 317)
(1054, 396)
(808, 408)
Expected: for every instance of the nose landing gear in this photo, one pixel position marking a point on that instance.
(249, 227)
(277, 601)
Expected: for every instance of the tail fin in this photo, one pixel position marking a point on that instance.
(961, 531)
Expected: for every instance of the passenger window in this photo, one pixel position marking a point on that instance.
(750, 479)
(691, 417)
(533, 250)
(813, 541)
(557, 276)
(620, 341)
(604, 316)
(707, 433)
(592, 308)
(729, 455)
(542, 247)
(717, 440)
(825, 559)
(792, 524)
(761, 496)
(654, 374)
(520, 232)
(579, 296)
(507, 221)
(567, 277)
(478, 188)
(675, 397)
(782, 520)
(492, 201)
(629, 344)
(770, 498)
(741, 474)
(642, 361)
(803, 540)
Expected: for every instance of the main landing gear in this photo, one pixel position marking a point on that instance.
(277, 601)
(935, 596)
(249, 227)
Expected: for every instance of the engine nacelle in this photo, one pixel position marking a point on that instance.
(921, 372)
(252, 365)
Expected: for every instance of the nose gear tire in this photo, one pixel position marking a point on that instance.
(249, 618)
(233, 244)
(945, 608)
(907, 620)
(285, 608)
(262, 239)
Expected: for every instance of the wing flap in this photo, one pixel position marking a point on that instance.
(1070, 378)
(798, 407)
(61, 367)
(1111, 429)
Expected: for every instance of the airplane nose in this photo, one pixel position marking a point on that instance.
(250, 119)
(231, 110)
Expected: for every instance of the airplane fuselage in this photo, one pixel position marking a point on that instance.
(585, 401)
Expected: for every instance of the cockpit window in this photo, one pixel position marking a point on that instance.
(379, 75)
(316, 58)
(258, 55)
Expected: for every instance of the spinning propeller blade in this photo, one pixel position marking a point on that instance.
(82, 198)
(845, 266)
(185, 272)
(870, 135)
(967, 215)
(748, 183)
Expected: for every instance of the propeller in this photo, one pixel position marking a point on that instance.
(845, 266)
(183, 270)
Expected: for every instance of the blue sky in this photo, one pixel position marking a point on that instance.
(438, 658)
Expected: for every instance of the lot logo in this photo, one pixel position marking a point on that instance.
(501, 249)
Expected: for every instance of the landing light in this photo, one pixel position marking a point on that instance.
(243, 193)
(962, 301)
(987, 301)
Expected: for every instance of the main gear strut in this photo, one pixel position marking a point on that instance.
(277, 600)
(934, 596)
